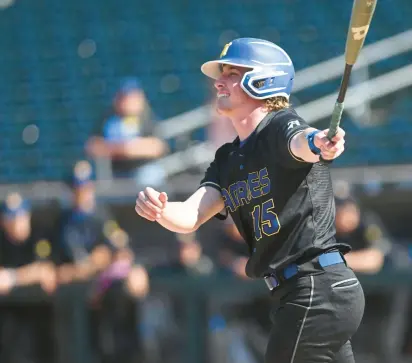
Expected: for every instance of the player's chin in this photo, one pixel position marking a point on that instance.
(223, 105)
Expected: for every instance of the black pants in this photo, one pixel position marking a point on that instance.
(315, 316)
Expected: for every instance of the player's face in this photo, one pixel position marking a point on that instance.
(230, 95)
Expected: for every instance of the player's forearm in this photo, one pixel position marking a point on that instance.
(300, 148)
(179, 217)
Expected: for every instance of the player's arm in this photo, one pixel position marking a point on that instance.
(306, 145)
(187, 216)
(180, 217)
(298, 144)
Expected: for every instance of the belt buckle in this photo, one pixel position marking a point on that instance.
(271, 281)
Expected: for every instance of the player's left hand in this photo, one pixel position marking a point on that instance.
(330, 149)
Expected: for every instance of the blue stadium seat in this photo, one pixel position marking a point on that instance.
(45, 82)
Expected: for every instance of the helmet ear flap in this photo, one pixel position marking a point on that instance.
(259, 83)
(266, 83)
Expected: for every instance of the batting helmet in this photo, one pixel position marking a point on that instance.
(271, 73)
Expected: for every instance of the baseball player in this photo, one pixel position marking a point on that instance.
(274, 181)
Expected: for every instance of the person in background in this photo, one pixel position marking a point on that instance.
(243, 319)
(93, 248)
(116, 298)
(127, 138)
(123, 266)
(363, 230)
(26, 330)
(233, 251)
(83, 248)
(371, 243)
(24, 249)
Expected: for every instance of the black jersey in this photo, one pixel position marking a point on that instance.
(283, 206)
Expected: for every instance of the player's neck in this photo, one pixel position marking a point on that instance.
(246, 124)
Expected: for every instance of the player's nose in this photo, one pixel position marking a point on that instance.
(219, 83)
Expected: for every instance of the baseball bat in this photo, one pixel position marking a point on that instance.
(361, 17)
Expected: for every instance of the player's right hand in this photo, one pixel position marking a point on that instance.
(150, 204)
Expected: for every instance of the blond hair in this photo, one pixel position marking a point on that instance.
(276, 103)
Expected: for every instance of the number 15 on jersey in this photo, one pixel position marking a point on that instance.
(265, 220)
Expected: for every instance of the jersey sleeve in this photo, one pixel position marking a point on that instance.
(212, 174)
(284, 129)
(212, 177)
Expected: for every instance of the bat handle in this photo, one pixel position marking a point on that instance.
(334, 124)
(335, 120)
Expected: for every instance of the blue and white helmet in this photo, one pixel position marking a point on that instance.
(271, 73)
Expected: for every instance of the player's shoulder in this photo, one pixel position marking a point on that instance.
(285, 116)
(224, 150)
(283, 122)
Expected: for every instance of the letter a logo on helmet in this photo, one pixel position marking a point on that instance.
(225, 48)
(271, 69)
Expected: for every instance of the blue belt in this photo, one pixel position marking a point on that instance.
(325, 259)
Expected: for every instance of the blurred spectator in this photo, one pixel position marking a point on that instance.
(83, 248)
(123, 266)
(245, 321)
(126, 136)
(24, 249)
(190, 257)
(26, 330)
(233, 254)
(165, 311)
(94, 248)
(115, 297)
(364, 231)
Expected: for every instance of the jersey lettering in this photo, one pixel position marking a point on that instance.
(254, 184)
(233, 192)
(228, 200)
(243, 191)
(264, 181)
